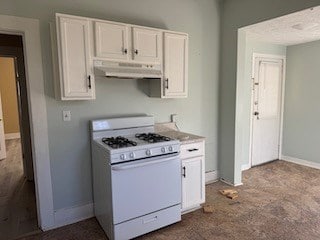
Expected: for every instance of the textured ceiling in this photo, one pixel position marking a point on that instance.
(292, 29)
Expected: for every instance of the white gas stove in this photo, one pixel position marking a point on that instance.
(136, 177)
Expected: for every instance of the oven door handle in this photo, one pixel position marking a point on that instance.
(141, 164)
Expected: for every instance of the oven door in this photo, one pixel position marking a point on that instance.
(145, 186)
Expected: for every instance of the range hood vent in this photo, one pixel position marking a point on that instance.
(126, 70)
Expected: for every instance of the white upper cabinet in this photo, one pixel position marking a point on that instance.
(81, 41)
(175, 65)
(147, 45)
(111, 40)
(116, 41)
(76, 78)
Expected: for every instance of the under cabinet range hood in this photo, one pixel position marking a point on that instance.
(114, 69)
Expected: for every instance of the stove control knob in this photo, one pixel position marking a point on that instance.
(148, 152)
(163, 149)
(170, 149)
(132, 155)
(122, 156)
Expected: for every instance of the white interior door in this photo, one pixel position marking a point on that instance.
(3, 153)
(267, 103)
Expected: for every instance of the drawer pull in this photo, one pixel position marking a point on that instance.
(193, 150)
(150, 220)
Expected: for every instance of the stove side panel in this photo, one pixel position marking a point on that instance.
(102, 192)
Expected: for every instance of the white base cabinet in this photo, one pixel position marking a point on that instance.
(193, 175)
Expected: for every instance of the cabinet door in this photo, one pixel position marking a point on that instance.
(146, 45)
(175, 65)
(75, 71)
(193, 185)
(111, 40)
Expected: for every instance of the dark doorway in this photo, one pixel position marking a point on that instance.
(18, 213)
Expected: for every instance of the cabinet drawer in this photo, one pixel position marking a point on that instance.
(191, 150)
(147, 223)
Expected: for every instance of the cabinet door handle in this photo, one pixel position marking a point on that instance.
(166, 85)
(184, 172)
(89, 79)
(136, 51)
(193, 150)
(125, 51)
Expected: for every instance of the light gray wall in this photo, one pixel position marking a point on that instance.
(236, 14)
(198, 114)
(301, 132)
(244, 93)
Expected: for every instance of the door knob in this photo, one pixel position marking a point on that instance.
(257, 115)
(136, 51)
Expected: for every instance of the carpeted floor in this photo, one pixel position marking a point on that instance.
(278, 200)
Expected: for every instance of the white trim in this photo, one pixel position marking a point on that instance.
(30, 30)
(282, 103)
(9, 136)
(231, 184)
(278, 57)
(301, 162)
(71, 215)
(211, 177)
(245, 167)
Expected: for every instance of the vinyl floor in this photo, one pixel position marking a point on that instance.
(18, 214)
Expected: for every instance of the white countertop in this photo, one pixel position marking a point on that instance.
(170, 130)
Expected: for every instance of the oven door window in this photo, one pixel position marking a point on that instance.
(145, 186)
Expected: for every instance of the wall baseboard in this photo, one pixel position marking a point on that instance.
(301, 162)
(9, 136)
(211, 177)
(245, 167)
(231, 184)
(71, 215)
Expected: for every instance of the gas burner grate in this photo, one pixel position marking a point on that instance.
(152, 137)
(118, 142)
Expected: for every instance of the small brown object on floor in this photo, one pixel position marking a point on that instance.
(208, 208)
(232, 195)
(226, 192)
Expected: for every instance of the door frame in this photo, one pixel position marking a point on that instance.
(270, 56)
(23, 113)
(29, 29)
(3, 140)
